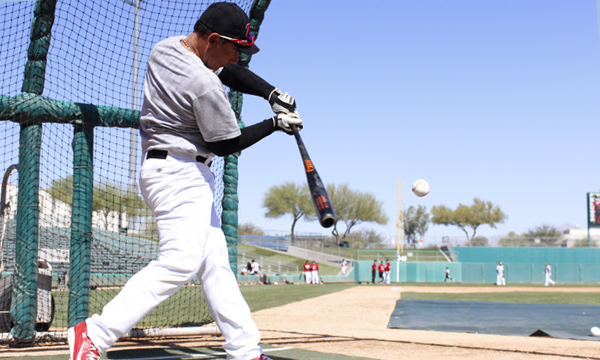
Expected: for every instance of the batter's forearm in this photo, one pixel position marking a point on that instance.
(242, 79)
(250, 136)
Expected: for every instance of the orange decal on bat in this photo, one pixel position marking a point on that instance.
(322, 202)
(308, 165)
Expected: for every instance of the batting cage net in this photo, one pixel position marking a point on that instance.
(74, 225)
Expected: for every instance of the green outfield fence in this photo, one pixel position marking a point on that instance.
(70, 95)
(482, 273)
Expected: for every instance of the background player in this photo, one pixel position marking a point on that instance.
(315, 273)
(186, 119)
(373, 271)
(388, 270)
(307, 272)
(548, 275)
(381, 271)
(448, 275)
(500, 274)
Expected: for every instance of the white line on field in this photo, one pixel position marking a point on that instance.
(192, 356)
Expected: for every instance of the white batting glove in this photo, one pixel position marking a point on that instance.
(282, 102)
(284, 122)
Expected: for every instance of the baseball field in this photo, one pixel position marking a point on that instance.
(346, 321)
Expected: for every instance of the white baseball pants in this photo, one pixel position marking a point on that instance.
(500, 280)
(315, 277)
(308, 276)
(549, 279)
(179, 191)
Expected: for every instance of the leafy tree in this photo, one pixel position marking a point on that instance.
(107, 197)
(547, 233)
(479, 241)
(514, 239)
(289, 199)
(479, 213)
(62, 190)
(365, 238)
(584, 243)
(149, 229)
(416, 222)
(353, 208)
(249, 229)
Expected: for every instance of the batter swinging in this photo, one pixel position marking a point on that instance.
(186, 119)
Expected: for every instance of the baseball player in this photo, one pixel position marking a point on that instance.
(500, 274)
(307, 272)
(315, 273)
(256, 269)
(548, 274)
(373, 271)
(448, 275)
(381, 271)
(186, 119)
(388, 270)
(344, 265)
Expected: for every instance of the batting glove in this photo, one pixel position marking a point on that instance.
(284, 122)
(282, 102)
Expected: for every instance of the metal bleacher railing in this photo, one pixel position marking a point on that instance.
(268, 265)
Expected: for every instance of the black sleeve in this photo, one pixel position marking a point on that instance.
(250, 136)
(242, 79)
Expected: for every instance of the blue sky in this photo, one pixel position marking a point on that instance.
(491, 99)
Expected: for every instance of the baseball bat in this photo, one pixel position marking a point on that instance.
(318, 193)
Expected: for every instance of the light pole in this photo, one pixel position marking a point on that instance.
(132, 188)
(133, 137)
(400, 224)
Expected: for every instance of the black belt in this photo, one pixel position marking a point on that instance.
(162, 154)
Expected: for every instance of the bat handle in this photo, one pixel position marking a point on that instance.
(295, 130)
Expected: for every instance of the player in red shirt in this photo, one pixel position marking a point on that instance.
(388, 270)
(315, 273)
(373, 271)
(381, 271)
(307, 272)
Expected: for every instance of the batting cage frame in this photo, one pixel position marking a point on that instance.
(30, 279)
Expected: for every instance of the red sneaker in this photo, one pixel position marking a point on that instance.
(262, 357)
(80, 345)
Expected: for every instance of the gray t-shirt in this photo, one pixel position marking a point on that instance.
(185, 103)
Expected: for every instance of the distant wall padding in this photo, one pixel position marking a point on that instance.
(484, 273)
(523, 255)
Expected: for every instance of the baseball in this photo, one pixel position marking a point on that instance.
(420, 188)
(595, 331)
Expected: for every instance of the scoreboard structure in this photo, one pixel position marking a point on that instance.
(593, 212)
(593, 205)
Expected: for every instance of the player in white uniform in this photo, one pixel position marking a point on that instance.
(500, 274)
(315, 273)
(186, 119)
(307, 272)
(548, 275)
(448, 275)
(344, 265)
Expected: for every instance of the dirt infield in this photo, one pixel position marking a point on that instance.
(354, 322)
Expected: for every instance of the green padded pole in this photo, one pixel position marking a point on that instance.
(229, 218)
(24, 298)
(81, 224)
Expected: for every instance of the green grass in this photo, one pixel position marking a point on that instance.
(183, 307)
(513, 297)
(268, 296)
(274, 256)
(187, 304)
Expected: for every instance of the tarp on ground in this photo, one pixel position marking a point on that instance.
(498, 318)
